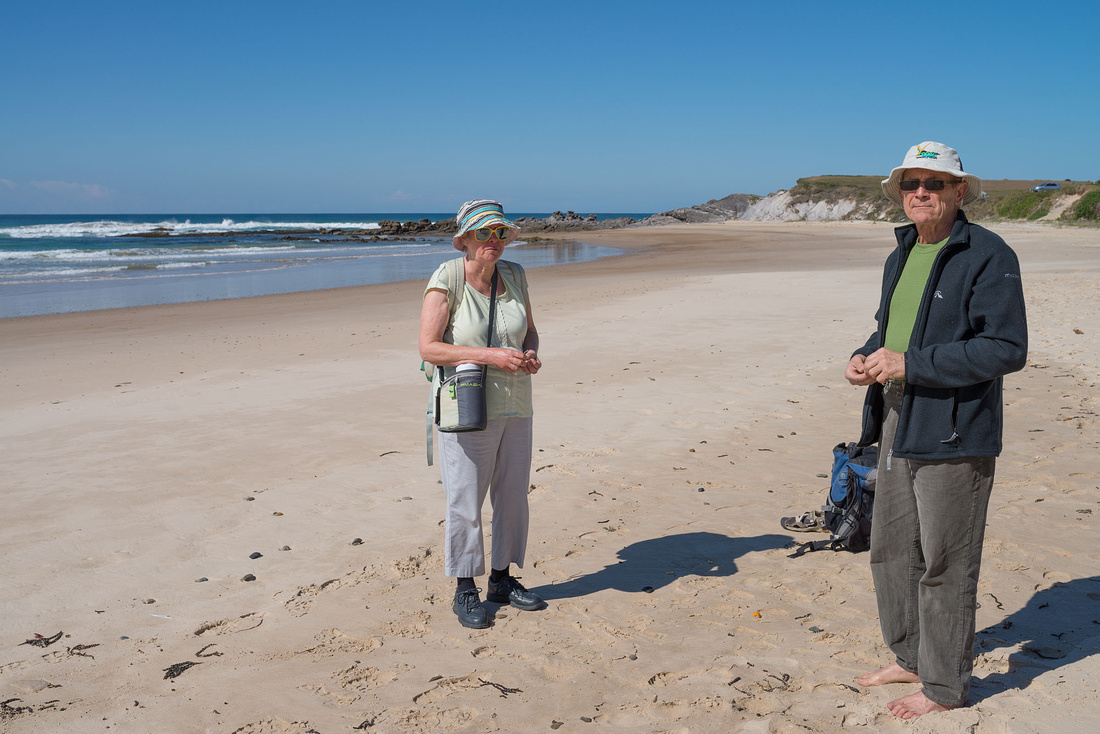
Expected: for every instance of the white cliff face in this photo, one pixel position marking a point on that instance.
(781, 207)
(784, 206)
(772, 208)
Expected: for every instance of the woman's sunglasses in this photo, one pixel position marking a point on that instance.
(931, 185)
(484, 233)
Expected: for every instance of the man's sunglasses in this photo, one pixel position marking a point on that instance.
(930, 185)
(484, 233)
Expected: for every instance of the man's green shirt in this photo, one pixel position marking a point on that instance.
(906, 298)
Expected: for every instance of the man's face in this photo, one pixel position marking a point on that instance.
(933, 208)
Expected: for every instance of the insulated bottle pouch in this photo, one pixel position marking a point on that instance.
(460, 400)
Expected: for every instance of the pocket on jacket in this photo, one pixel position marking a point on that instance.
(928, 422)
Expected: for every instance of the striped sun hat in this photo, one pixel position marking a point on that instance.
(477, 214)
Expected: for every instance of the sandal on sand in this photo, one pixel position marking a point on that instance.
(808, 522)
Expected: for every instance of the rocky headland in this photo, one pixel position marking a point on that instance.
(821, 198)
(817, 198)
(813, 199)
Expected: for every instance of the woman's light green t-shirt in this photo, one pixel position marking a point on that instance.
(507, 395)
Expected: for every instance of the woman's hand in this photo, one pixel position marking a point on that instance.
(505, 359)
(531, 362)
(512, 361)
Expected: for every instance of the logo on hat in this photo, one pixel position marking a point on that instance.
(922, 153)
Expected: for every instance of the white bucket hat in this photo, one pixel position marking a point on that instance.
(480, 213)
(932, 156)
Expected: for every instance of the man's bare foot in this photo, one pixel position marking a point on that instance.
(914, 705)
(892, 673)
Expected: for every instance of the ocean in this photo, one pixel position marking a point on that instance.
(60, 264)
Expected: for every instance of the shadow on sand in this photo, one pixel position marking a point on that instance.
(1058, 627)
(651, 564)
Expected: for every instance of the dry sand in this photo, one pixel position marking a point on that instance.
(691, 395)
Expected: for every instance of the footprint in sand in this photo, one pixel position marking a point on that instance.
(305, 596)
(555, 469)
(414, 625)
(327, 696)
(331, 642)
(417, 564)
(361, 679)
(996, 662)
(445, 687)
(454, 719)
(336, 641)
(242, 623)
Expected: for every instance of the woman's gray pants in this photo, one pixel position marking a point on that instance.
(926, 554)
(496, 461)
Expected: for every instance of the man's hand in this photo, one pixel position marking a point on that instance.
(884, 365)
(856, 372)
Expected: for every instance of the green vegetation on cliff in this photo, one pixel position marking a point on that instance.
(1002, 199)
(1025, 205)
(1088, 208)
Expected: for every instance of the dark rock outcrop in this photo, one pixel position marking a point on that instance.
(715, 210)
(420, 227)
(569, 222)
(556, 222)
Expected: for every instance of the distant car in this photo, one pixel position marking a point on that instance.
(1049, 186)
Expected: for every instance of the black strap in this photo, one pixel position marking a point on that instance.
(492, 307)
(492, 318)
(816, 545)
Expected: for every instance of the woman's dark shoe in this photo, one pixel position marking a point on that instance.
(510, 591)
(471, 613)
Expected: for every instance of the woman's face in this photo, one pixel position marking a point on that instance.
(488, 251)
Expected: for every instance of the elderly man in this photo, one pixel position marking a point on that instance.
(951, 323)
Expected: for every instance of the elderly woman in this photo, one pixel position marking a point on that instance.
(498, 459)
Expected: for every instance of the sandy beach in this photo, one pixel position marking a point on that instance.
(691, 396)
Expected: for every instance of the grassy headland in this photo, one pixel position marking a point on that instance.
(1005, 199)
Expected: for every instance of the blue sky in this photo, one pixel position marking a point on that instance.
(235, 106)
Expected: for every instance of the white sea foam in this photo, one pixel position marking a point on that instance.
(161, 254)
(213, 253)
(57, 275)
(179, 266)
(168, 228)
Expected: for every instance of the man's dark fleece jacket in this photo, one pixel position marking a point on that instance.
(971, 330)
